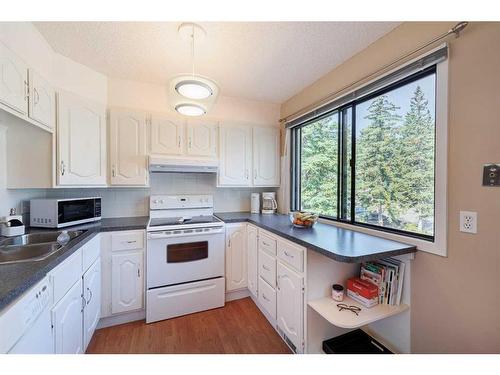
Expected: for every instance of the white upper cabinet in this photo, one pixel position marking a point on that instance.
(236, 257)
(81, 141)
(202, 139)
(41, 100)
(167, 135)
(128, 157)
(235, 166)
(13, 81)
(290, 305)
(266, 156)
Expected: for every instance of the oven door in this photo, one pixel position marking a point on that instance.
(178, 259)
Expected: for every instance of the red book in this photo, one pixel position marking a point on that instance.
(362, 287)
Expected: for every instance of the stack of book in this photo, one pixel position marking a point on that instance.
(387, 274)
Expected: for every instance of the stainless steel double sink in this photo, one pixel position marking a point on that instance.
(33, 247)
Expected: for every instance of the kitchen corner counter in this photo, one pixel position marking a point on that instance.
(340, 244)
(16, 278)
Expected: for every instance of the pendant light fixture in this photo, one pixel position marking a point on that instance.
(192, 94)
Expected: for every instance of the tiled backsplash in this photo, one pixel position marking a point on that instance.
(118, 202)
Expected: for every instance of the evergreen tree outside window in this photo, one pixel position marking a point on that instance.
(372, 161)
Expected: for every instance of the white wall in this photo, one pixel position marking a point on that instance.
(153, 97)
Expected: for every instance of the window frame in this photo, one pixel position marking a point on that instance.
(435, 244)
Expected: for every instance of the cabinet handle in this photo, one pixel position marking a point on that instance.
(255, 174)
(190, 143)
(278, 282)
(26, 90)
(288, 254)
(265, 268)
(139, 272)
(36, 96)
(113, 171)
(83, 302)
(264, 296)
(63, 169)
(246, 174)
(90, 297)
(131, 241)
(179, 141)
(265, 243)
(229, 243)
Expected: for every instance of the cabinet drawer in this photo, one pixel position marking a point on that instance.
(64, 276)
(267, 298)
(90, 252)
(127, 241)
(267, 243)
(267, 267)
(291, 254)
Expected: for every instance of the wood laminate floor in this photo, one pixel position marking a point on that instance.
(238, 328)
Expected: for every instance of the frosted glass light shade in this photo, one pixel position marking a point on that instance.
(194, 89)
(190, 109)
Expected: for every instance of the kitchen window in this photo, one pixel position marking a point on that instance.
(372, 161)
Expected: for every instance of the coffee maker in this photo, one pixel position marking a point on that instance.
(269, 204)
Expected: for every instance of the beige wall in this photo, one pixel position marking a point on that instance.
(455, 301)
(153, 97)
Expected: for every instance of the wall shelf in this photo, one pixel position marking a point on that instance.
(327, 308)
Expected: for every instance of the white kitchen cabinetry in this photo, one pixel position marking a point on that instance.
(127, 287)
(13, 81)
(128, 154)
(236, 257)
(81, 141)
(167, 135)
(235, 166)
(290, 304)
(67, 322)
(41, 100)
(266, 156)
(252, 260)
(92, 300)
(202, 139)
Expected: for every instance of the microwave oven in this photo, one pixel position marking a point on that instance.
(59, 213)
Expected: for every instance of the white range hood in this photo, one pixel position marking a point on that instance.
(170, 165)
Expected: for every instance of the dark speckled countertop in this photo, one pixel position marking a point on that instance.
(340, 244)
(16, 278)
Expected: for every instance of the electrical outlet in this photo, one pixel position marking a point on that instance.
(468, 222)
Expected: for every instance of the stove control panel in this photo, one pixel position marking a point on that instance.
(173, 202)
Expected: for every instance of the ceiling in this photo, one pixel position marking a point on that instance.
(268, 61)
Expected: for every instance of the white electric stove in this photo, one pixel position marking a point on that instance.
(184, 257)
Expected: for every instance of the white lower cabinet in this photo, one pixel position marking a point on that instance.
(290, 305)
(127, 287)
(67, 322)
(252, 259)
(92, 300)
(236, 257)
(76, 310)
(276, 283)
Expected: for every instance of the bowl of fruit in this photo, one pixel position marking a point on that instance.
(301, 219)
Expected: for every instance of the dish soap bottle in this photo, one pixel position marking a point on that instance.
(63, 238)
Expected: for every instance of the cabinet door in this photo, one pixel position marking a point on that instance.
(81, 141)
(252, 259)
(42, 100)
(202, 139)
(126, 281)
(290, 305)
(167, 136)
(235, 156)
(92, 296)
(67, 320)
(13, 81)
(266, 156)
(236, 257)
(128, 159)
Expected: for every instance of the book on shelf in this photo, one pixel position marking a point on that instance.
(387, 274)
